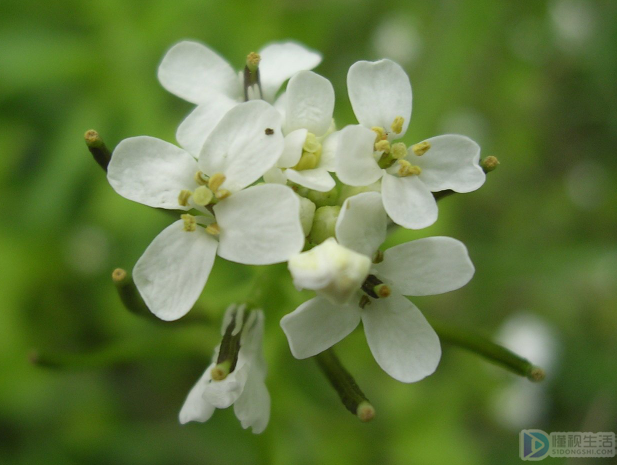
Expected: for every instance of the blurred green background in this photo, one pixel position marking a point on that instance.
(534, 82)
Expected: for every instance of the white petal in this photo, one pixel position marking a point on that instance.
(280, 61)
(355, 164)
(362, 223)
(317, 179)
(241, 146)
(317, 325)
(253, 407)
(281, 104)
(403, 343)
(452, 162)
(379, 92)
(408, 201)
(429, 266)
(224, 393)
(260, 225)
(151, 171)
(195, 407)
(193, 72)
(293, 148)
(275, 176)
(307, 214)
(310, 103)
(329, 147)
(194, 130)
(173, 270)
(334, 271)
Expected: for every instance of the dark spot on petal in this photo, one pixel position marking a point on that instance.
(269, 131)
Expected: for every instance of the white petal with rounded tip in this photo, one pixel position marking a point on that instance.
(429, 266)
(452, 162)
(408, 202)
(310, 103)
(194, 130)
(223, 393)
(151, 171)
(317, 179)
(275, 176)
(355, 164)
(173, 270)
(193, 72)
(239, 146)
(195, 408)
(253, 407)
(280, 61)
(260, 225)
(362, 223)
(292, 150)
(317, 325)
(328, 152)
(379, 92)
(403, 343)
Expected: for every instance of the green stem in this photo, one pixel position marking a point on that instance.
(351, 395)
(487, 349)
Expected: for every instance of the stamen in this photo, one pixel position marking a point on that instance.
(311, 144)
(201, 178)
(421, 148)
(252, 61)
(382, 290)
(183, 197)
(220, 371)
(399, 150)
(489, 163)
(382, 146)
(397, 125)
(216, 180)
(190, 224)
(381, 133)
(213, 229)
(222, 194)
(407, 169)
(202, 196)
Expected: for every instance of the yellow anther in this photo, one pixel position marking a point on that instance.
(407, 169)
(201, 178)
(213, 229)
(252, 61)
(421, 148)
(189, 222)
(311, 144)
(397, 125)
(382, 290)
(222, 194)
(398, 151)
(381, 133)
(216, 180)
(308, 161)
(220, 371)
(184, 196)
(382, 146)
(489, 163)
(202, 196)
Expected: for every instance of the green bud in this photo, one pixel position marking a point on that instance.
(324, 223)
(307, 214)
(322, 199)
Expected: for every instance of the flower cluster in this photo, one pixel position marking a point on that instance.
(265, 176)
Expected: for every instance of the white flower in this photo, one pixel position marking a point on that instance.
(401, 340)
(196, 73)
(257, 225)
(380, 95)
(244, 387)
(307, 106)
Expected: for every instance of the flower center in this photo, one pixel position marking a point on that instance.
(311, 153)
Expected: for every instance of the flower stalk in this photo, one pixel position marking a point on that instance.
(351, 395)
(491, 351)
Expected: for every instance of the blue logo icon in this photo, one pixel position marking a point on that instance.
(534, 444)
